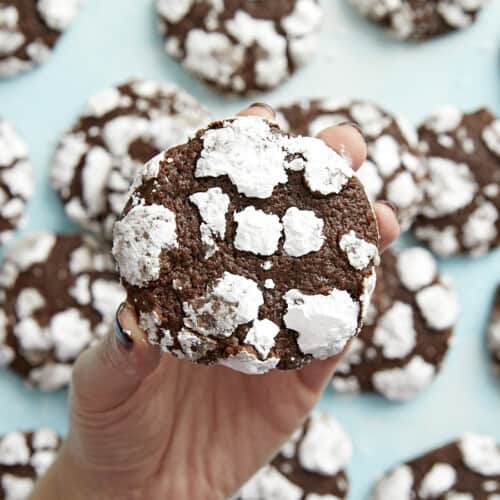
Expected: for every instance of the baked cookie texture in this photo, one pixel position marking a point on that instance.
(467, 469)
(121, 129)
(407, 332)
(29, 31)
(460, 212)
(241, 46)
(310, 466)
(420, 19)
(58, 295)
(249, 248)
(16, 180)
(393, 170)
(494, 332)
(25, 457)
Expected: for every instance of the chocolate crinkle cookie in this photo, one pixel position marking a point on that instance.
(249, 248)
(16, 180)
(407, 330)
(58, 295)
(393, 169)
(241, 46)
(310, 466)
(29, 30)
(494, 332)
(467, 469)
(460, 212)
(24, 458)
(420, 19)
(121, 129)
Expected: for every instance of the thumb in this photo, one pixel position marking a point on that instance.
(107, 374)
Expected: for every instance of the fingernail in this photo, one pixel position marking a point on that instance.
(389, 204)
(353, 125)
(123, 336)
(264, 106)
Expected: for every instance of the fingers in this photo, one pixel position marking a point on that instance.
(110, 372)
(387, 223)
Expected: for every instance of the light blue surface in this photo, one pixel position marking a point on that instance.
(115, 39)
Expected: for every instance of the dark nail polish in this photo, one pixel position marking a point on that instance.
(353, 125)
(123, 336)
(389, 204)
(265, 106)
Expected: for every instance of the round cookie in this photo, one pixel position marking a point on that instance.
(241, 46)
(407, 329)
(24, 458)
(393, 169)
(420, 19)
(249, 248)
(494, 332)
(310, 466)
(121, 129)
(30, 29)
(16, 180)
(58, 295)
(467, 469)
(460, 212)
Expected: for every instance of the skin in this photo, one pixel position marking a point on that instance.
(149, 427)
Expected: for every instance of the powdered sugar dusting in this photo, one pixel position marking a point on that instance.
(303, 232)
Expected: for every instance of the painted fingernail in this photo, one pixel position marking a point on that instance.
(123, 336)
(264, 106)
(389, 204)
(353, 125)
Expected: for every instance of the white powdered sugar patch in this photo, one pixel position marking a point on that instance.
(480, 229)
(17, 488)
(33, 249)
(234, 300)
(438, 480)
(246, 362)
(139, 257)
(173, 10)
(51, 377)
(491, 137)
(416, 268)
(359, 252)
(443, 242)
(58, 14)
(401, 384)
(257, 232)
(481, 454)
(28, 301)
(370, 178)
(445, 119)
(324, 323)
(325, 448)
(107, 296)
(438, 305)
(14, 449)
(397, 485)
(303, 232)
(262, 335)
(395, 333)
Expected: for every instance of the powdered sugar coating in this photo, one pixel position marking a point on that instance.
(58, 14)
(359, 252)
(416, 268)
(438, 305)
(395, 486)
(481, 454)
(239, 50)
(303, 232)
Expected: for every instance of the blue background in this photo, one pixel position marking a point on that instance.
(113, 40)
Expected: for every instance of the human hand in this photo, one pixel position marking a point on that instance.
(148, 426)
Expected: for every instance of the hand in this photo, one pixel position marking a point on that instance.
(149, 427)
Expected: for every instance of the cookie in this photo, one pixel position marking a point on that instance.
(494, 331)
(467, 469)
(241, 46)
(121, 129)
(407, 330)
(420, 19)
(58, 295)
(29, 31)
(393, 170)
(310, 466)
(248, 248)
(16, 180)
(25, 457)
(460, 212)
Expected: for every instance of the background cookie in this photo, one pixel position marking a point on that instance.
(29, 30)
(309, 466)
(420, 19)
(393, 170)
(494, 331)
(241, 46)
(16, 180)
(248, 248)
(24, 457)
(122, 128)
(58, 294)
(407, 330)
(468, 469)
(460, 213)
